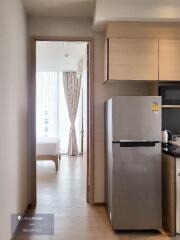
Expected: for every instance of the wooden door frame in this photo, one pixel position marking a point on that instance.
(90, 114)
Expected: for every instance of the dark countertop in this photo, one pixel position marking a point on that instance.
(171, 150)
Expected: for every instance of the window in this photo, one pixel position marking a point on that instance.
(52, 117)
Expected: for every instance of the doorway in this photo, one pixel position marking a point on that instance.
(46, 125)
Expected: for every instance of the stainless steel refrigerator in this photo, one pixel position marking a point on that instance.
(133, 162)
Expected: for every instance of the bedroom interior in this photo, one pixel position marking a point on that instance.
(61, 112)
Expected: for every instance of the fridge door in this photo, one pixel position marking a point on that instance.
(136, 117)
(137, 187)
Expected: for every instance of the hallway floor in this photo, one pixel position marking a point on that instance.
(64, 194)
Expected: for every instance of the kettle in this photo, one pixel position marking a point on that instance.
(166, 136)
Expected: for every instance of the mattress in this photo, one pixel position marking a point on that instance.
(47, 146)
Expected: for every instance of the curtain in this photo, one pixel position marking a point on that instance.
(52, 118)
(46, 104)
(72, 86)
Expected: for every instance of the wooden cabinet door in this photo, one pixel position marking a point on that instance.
(169, 60)
(133, 59)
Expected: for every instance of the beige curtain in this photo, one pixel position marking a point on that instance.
(72, 87)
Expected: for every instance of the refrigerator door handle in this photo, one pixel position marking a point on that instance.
(138, 143)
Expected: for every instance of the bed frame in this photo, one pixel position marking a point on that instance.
(54, 158)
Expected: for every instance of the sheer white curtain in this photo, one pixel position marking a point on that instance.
(47, 103)
(52, 117)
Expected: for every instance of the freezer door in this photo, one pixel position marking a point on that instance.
(136, 117)
(137, 187)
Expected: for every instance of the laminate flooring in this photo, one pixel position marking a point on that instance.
(64, 194)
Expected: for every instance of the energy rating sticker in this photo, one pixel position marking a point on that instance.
(155, 107)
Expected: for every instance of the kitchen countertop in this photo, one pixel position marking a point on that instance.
(171, 150)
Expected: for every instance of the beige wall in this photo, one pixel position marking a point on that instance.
(83, 27)
(13, 107)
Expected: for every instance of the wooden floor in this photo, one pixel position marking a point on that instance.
(64, 194)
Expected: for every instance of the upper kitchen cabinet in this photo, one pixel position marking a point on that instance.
(132, 59)
(169, 60)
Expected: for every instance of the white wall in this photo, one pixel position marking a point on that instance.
(136, 10)
(52, 56)
(13, 108)
(83, 27)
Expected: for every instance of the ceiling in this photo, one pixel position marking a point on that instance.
(59, 56)
(60, 8)
(104, 11)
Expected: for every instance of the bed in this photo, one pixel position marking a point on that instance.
(48, 148)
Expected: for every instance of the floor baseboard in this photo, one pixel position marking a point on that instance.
(99, 204)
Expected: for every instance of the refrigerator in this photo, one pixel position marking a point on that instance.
(133, 162)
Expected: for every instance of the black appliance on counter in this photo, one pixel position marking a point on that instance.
(170, 107)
